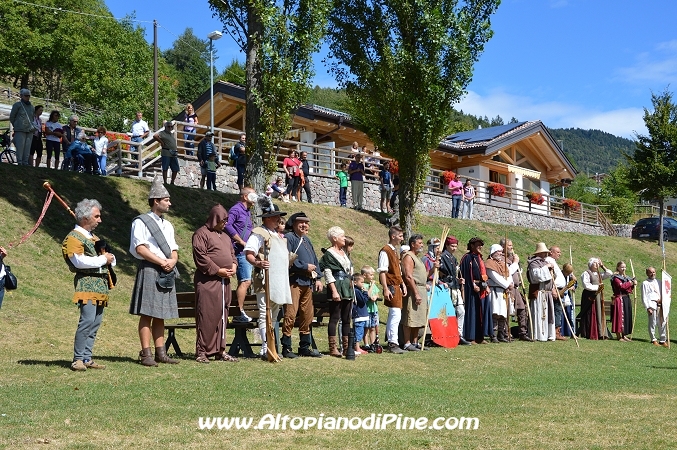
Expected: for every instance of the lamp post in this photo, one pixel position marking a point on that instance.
(213, 36)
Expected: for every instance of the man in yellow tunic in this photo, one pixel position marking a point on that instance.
(91, 281)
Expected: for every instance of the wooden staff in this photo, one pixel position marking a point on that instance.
(436, 275)
(552, 274)
(634, 299)
(599, 304)
(270, 333)
(48, 186)
(525, 298)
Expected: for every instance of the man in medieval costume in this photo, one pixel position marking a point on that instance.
(450, 276)
(499, 282)
(154, 295)
(515, 293)
(92, 280)
(541, 287)
(475, 291)
(267, 252)
(215, 264)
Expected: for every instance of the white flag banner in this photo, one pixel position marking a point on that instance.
(666, 292)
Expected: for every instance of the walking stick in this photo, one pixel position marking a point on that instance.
(525, 298)
(270, 333)
(436, 275)
(552, 274)
(634, 299)
(599, 305)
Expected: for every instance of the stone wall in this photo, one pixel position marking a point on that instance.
(324, 190)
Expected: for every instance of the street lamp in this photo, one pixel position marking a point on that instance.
(213, 36)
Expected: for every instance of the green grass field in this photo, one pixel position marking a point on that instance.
(525, 395)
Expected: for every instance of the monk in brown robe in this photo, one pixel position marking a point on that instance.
(215, 263)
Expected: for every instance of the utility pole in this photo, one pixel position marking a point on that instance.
(156, 101)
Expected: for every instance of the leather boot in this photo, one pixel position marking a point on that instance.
(161, 356)
(558, 335)
(333, 348)
(502, 330)
(286, 347)
(146, 358)
(305, 348)
(344, 341)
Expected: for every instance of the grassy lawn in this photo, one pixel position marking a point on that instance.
(526, 395)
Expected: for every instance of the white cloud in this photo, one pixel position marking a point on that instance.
(658, 66)
(621, 122)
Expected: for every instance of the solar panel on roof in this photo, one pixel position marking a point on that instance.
(483, 134)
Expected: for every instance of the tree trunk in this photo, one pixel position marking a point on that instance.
(255, 175)
(407, 198)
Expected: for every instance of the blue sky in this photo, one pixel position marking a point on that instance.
(588, 64)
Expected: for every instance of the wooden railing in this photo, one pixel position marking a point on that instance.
(130, 158)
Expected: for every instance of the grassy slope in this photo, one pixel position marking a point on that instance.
(526, 395)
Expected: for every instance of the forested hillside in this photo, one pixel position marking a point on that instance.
(593, 151)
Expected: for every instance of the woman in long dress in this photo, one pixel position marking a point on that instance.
(621, 306)
(592, 302)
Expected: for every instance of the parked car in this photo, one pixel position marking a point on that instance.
(648, 228)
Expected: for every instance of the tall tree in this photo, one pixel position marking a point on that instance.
(653, 167)
(278, 38)
(189, 55)
(234, 73)
(403, 64)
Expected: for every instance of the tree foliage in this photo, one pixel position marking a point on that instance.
(235, 73)
(278, 38)
(97, 62)
(189, 55)
(403, 64)
(653, 167)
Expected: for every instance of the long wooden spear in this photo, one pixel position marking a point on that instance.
(436, 274)
(506, 292)
(552, 274)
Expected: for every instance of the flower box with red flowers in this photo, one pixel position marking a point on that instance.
(496, 189)
(447, 176)
(571, 204)
(536, 198)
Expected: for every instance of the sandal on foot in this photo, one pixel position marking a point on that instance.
(202, 359)
(225, 357)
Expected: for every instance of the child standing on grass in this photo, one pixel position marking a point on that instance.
(374, 294)
(360, 314)
(212, 165)
(342, 176)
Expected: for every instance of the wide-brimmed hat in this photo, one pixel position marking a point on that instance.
(300, 216)
(541, 248)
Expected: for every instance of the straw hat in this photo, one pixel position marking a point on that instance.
(541, 248)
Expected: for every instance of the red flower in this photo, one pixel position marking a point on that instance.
(536, 197)
(447, 176)
(571, 204)
(496, 189)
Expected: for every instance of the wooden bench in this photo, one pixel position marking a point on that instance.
(240, 343)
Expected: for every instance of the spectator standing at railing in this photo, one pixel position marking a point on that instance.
(140, 131)
(169, 151)
(456, 190)
(386, 187)
(101, 148)
(189, 130)
(204, 149)
(53, 134)
(292, 167)
(36, 144)
(21, 118)
(241, 160)
(305, 169)
(468, 200)
(356, 173)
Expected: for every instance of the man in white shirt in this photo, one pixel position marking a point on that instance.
(92, 280)
(394, 289)
(154, 294)
(139, 130)
(651, 296)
